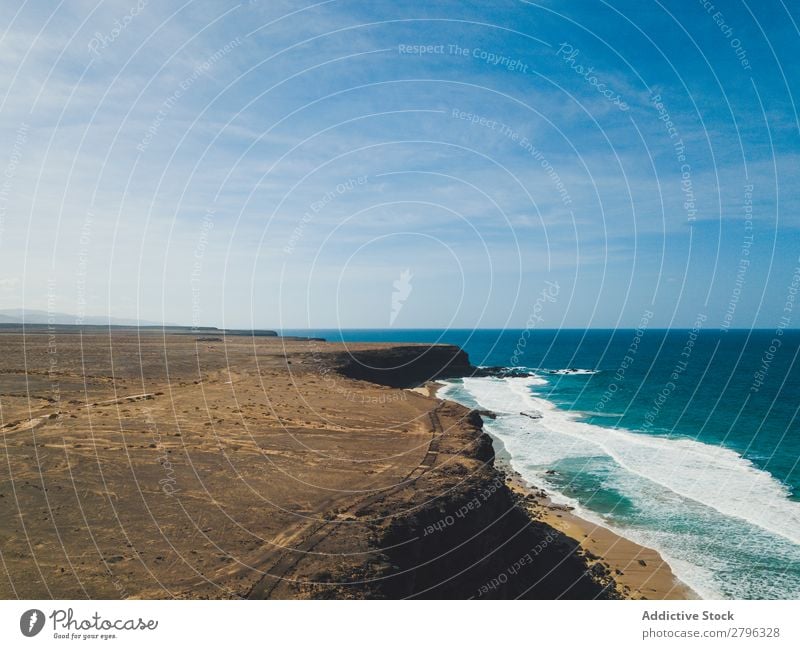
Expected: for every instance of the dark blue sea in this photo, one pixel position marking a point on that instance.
(687, 441)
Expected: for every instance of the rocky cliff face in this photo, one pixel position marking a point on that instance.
(471, 538)
(406, 366)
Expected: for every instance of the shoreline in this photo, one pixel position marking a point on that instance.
(353, 468)
(640, 572)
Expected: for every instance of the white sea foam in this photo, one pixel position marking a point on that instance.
(711, 475)
(678, 484)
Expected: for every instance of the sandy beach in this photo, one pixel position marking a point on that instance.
(151, 465)
(639, 572)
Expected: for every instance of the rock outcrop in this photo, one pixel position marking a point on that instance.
(406, 366)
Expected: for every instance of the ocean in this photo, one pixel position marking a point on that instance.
(686, 441)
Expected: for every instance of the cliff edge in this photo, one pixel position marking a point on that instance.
(453, 529)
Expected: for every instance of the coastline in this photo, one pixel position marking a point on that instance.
(639, 572)
(344, 481)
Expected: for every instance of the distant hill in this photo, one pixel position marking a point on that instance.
(35, 316)
(36, 320)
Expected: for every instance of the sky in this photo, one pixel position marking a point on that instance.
(276, 164)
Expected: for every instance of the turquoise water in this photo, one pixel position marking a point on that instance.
(687, 441)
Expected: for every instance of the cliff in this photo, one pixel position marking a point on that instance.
(456, 530)
(406, 366)
(472, 538)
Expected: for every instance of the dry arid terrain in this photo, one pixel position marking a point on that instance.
(147, 465)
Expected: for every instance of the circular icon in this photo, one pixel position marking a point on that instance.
(31, 622)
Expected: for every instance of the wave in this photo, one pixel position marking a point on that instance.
(711, 475)
(570, 371)
(672, 483)
(594, 413)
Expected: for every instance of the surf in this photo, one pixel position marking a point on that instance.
(689, 483)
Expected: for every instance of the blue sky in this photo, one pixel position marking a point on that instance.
(281, 164)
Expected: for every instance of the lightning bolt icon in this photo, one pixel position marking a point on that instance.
(32, 620)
